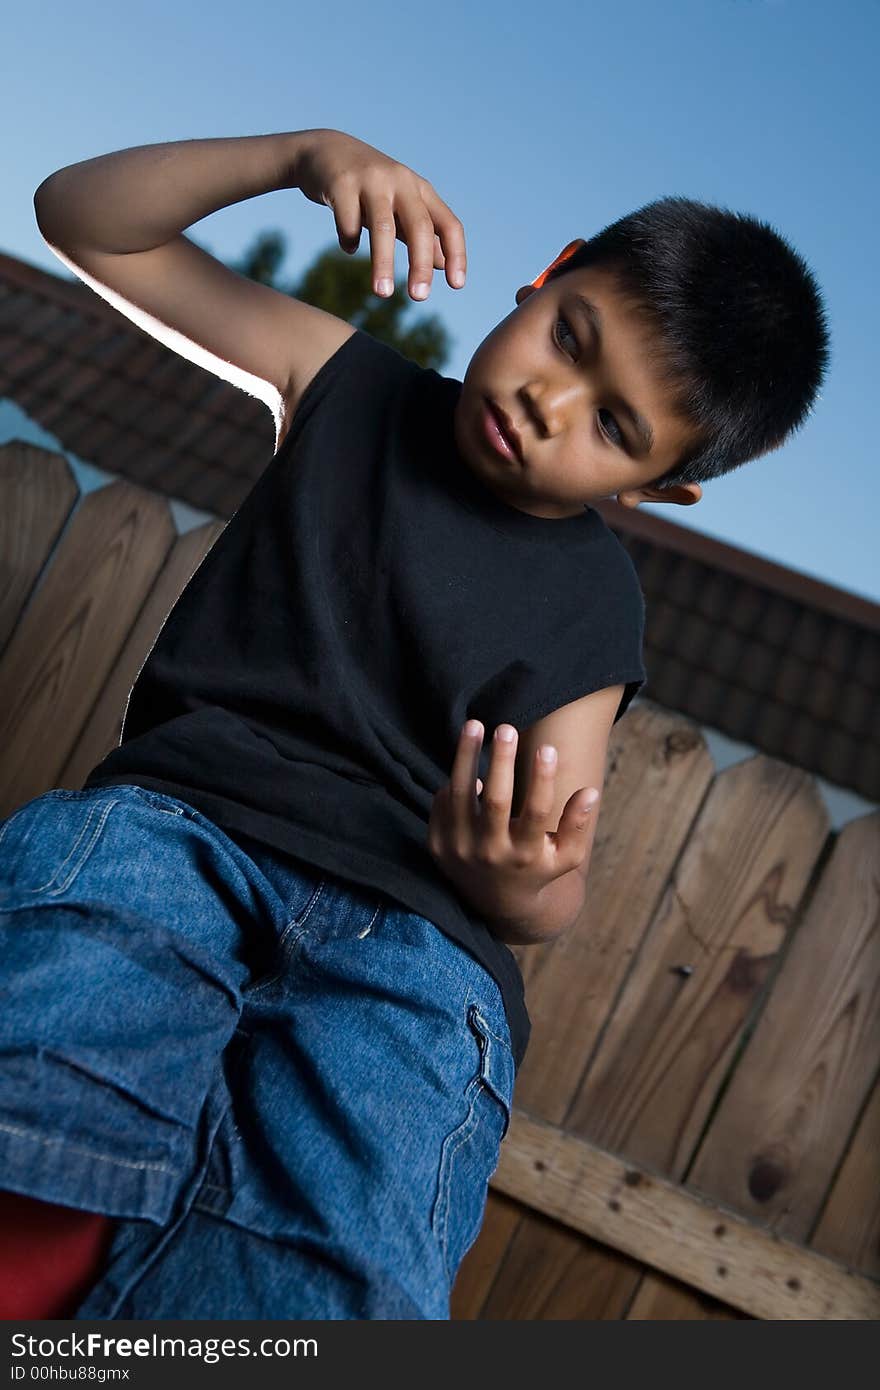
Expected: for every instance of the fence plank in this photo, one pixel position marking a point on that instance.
(552, 1273)
(725, 915)
(38, 492)
(658, 772)
(479, 1266)
(783, 1124)
(61, 652)
(641, 1214)
(849, 1229)
(104, 726)
(665, 1300)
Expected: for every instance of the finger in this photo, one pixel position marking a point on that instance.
(417, 230)
(378, 216)
(346, 208)
(451, 233)
(495, 803)
(462, 801)
(533, 821)
(575, 824)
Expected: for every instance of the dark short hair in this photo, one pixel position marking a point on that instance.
(741, 335)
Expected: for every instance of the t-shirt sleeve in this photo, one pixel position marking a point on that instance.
(629, 638)
(359, 377)
(600, 643)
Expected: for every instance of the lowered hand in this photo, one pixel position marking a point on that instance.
(506, 866)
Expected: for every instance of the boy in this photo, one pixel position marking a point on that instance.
(289, 1064)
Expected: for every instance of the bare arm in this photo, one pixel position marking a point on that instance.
(117, 221)
(137, 199)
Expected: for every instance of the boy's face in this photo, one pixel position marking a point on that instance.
(560, 385)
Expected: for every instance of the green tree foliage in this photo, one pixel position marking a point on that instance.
(342, 284)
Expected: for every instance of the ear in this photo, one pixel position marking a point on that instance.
(567, 251)
(684, 495)
(565, 254)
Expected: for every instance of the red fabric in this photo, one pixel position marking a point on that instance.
(49, 1256)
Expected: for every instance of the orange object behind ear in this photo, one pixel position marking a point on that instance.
(563, 256)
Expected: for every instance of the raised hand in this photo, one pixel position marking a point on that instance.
(502, 864)
(365, 188)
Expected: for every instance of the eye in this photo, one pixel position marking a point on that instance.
(556, 334)
(616, 438)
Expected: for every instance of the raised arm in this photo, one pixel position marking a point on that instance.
(117, 221)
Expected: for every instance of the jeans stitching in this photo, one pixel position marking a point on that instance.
(501, 1041)
(62, 887)
(49, 1141)
(371, 921)
(450, 1146)
(302, 917)
(462, 1135)
(489, 1084)
(8, 822)
(154, 804)
(89, 819)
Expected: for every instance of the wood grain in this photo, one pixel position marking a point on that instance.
(658, 773)
(60, 654)
(641, 1214)
(38, 493)
(103, 727)
(849, 1228)
(726, 913)
(783, 1125)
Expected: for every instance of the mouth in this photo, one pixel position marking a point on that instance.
(499, 431)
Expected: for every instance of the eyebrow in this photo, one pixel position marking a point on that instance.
(638, 422)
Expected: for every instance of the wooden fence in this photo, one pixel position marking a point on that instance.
(696, 1131)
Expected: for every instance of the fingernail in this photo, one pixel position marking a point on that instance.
(505, 733)
(420, 291)
(548, 753)
(385, 287)
(472, 728)
(457, 278)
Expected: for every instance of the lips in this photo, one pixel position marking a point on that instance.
(506, 428)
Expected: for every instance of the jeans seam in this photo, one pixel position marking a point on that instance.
(281, 948)
(62, 887)
(51, 1141)
(491, 1031)
(301, 918)
(462, 1135)
(367, 928)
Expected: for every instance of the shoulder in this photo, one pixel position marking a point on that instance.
(334, 349)
(327, 334)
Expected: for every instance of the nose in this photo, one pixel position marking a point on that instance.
(552, 404)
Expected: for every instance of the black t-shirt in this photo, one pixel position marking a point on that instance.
(309, 687)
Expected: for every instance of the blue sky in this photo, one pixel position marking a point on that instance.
(536, 124)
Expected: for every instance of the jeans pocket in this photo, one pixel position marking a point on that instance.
(470, 1152)
(45, 843)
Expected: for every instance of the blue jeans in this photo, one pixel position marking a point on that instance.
(290, 1092)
